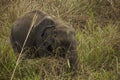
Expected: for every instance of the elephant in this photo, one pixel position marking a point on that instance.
(49, 36)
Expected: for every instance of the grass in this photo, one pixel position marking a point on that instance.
(97, 30)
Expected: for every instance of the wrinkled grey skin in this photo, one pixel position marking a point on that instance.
(49, 37)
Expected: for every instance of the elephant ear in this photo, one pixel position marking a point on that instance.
(46, 23)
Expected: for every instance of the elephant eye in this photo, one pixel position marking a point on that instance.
(50, 48)
(55, 33)
(42, 34)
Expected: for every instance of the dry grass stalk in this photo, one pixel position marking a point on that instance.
(19, 57)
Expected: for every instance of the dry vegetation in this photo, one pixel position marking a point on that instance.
(97, 24)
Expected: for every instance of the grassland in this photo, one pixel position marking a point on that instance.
(97, 25)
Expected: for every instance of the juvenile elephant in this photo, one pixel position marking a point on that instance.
(48, 37)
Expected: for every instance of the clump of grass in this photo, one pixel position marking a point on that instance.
(7, 60)
(97, 49)
(106, 11)
(44, 68)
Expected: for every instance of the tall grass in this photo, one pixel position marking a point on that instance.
(19, 57)
(98, 40)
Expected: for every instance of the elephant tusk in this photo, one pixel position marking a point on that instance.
(68, 62)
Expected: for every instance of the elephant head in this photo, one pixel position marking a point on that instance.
(49, 36)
